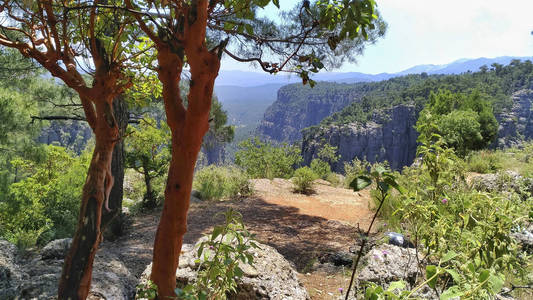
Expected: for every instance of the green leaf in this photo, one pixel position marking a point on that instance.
(450, 293)
(484, 275)
(360, 183)
(431, 270)
(216, 232)
(448, 256)
(455, 276)
(276, 3)
(496, 283)
(396, 285)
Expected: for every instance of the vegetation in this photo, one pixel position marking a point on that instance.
(326, 156)
(216, 183)
(264, 160)
(303, 180)
(464, 234)
(465, 122)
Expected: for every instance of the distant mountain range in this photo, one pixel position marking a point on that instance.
(250, 79)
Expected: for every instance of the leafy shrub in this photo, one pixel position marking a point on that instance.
(44, 204)
(321, 168)
(264, 160)
(354, 169)
(214, 183)
(467, 232)
(484, 162)
(303, 180)
(335, 179)
(220, 256)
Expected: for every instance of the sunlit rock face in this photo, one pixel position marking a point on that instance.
(390, 136)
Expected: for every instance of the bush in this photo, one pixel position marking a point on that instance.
(215, 183)
(321, 168)
(484, 162)
(303, 180)
(354, 169)
(264, 160)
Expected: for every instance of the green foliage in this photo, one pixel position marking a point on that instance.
(354, 169)
(147, 152)
(326, 156)
(215, 183)
(221, 257)
(465, 122)
(467, 232)
(485, 161)
(264, 160)
(303, 180)
(43, 202)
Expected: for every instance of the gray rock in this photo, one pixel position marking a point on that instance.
(508, 181)
(525, 238)
(56, 249)
(11, 275)
(39, 280)
(271, 276)
(516, 123)
(386, 263)
(390, 136)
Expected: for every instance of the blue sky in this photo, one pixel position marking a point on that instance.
(441, 31)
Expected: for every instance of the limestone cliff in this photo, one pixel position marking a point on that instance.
(390, 135)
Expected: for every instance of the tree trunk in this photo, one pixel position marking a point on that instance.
(112, 221)
(149, 200)
(75, 279)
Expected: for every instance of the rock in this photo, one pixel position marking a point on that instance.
(389, 135)
(340, 258)
(56, 249)
(525, 238)
(508, 181)
(387, 263)
(271, 276)
(11, 275)
(111, 279)
(298, 107)
(516, 123)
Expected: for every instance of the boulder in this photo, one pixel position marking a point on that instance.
(508, 181)
(270, 277)
(42, 270)
(11, 276)
(386, 263)
(56, 249)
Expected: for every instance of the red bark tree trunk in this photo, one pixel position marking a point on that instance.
(188, 128)
(77, 270)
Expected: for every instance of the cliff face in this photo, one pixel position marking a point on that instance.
(516, 124)
(390, 135)
(298, 107)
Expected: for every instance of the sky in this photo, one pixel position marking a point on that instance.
(440, 32)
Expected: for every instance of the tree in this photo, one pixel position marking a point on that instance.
(148, 153)
(197, 33)
(58, 35)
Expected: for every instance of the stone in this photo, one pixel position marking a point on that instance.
(525, 238)
(56, 249)
(386, 263)
(42, 270)
(11, 275)
(270, 277)
(508, 181)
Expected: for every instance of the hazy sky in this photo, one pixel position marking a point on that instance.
(441, 31)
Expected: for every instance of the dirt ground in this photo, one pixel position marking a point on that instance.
(300, 227)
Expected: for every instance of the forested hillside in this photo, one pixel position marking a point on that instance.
(299, 106)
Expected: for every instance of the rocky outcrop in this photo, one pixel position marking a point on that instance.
(270, 277)
(516, 123)
(386, 263)
(298, 107)
(36, 274)
(390, 136)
